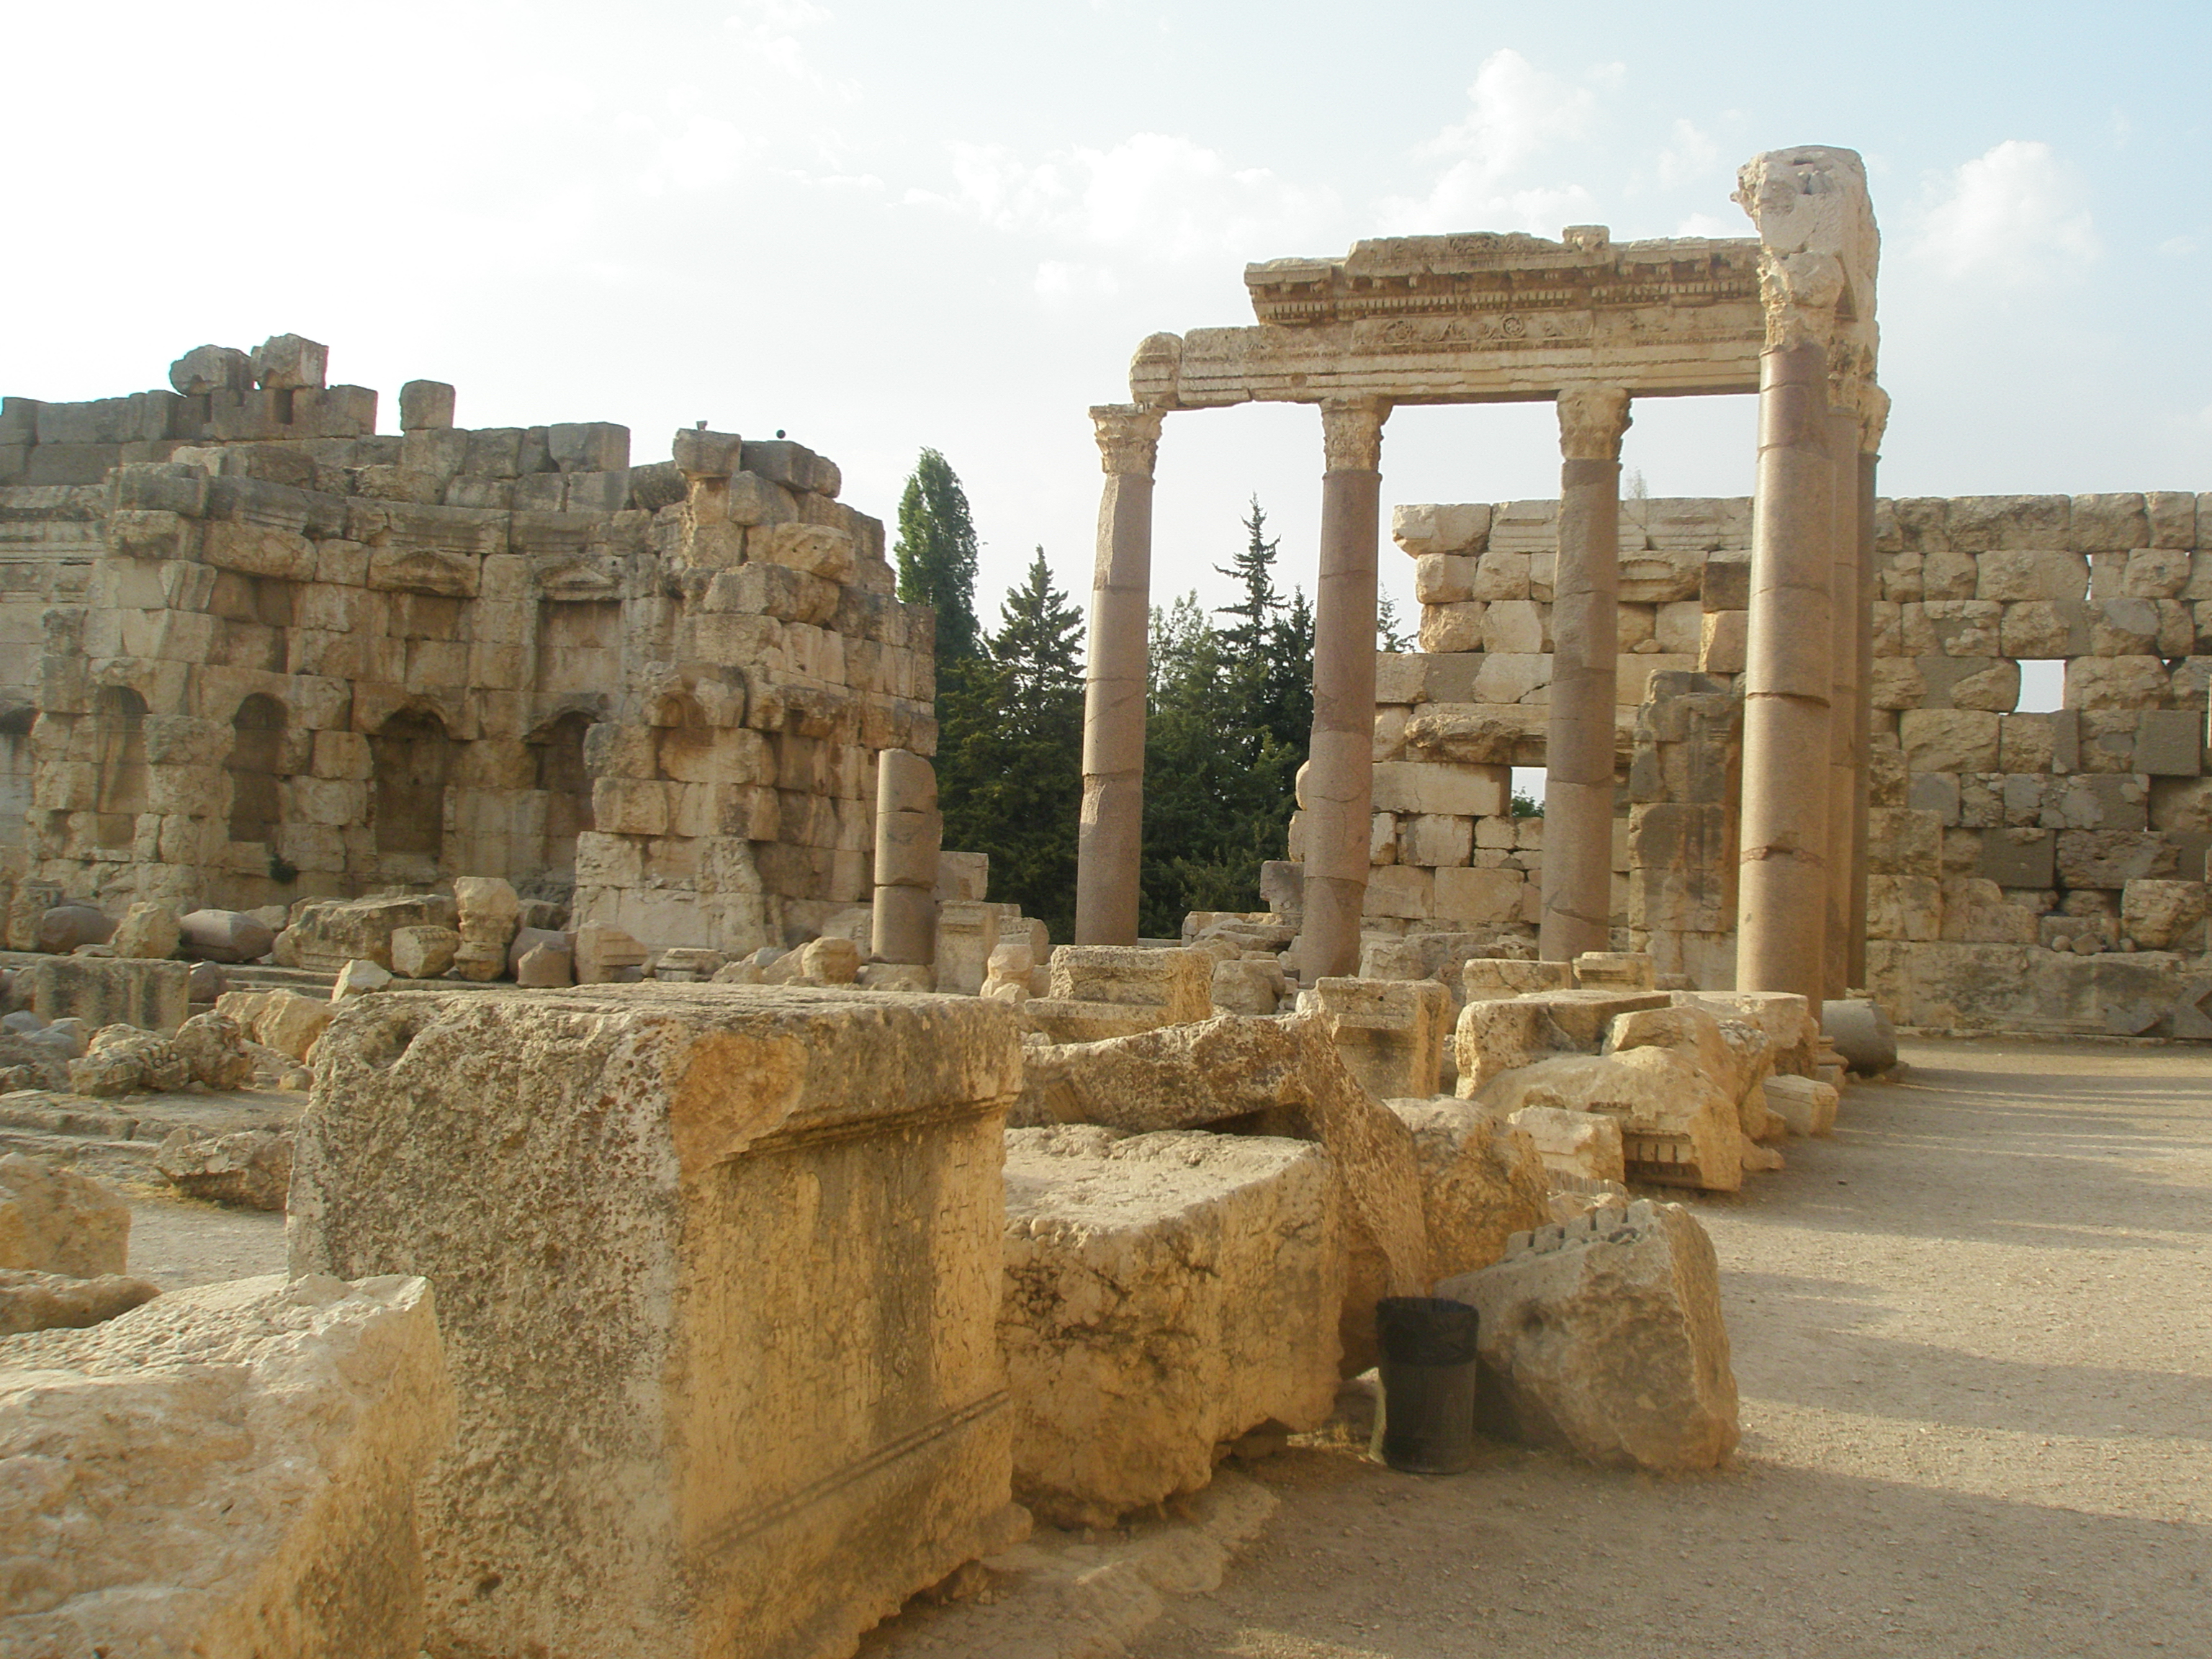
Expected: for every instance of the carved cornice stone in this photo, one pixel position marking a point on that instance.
(1819, 254)
(1352, 432)
(1128, 438)
(1591, 422)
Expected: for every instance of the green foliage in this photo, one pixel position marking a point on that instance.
(1010, 749)
(1526, 806)
(1231, 715)
(936, 555)
(1387, 636)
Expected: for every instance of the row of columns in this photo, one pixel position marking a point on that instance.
(1801, 896)
(1800, 905)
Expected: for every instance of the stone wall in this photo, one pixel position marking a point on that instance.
(2039, 870)
(252, 651)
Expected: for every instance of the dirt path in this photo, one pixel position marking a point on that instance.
(1972, 1337)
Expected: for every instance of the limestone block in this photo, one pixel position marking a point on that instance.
(1976, 911)
(1661, 575)
(1460, 791)
(967, 933)
(2170, 742)
(1432, 840)
(1405, 891)
(1164, 1294)
(1280, 1077)
(604, 953)
(212, 1047)
(1476, 897)
(1805, 1104)
(56, 1221)
(1452, 628)
(246, 1452)
(1509, 678)
(283, 1020)
(1903, 842)
(360, 979)
(289, 362)
(211, 368)
(1679, 1127)
(2018, 857)
(325, 934)
(2129, 681)
(1859, 1029)
(1177, 981)
(1974, 524)
(1521, 627)
(156, 996)
(2113, 858)
(150, 931)
(425, 404)
(251, 1169)
(1424, 529)
(1585, 1145)
(818, 550)
(2157, 573)
(1621, 970)
(2162, 915)
(1949, 739)
(1604, 1338)
(545, 964)
(1247, 986)
(1580, 1019)
(2123, 628)
(1390, 1033)
(1444, 578)
(1498, 1033)
(223, 936)
(963, 877)
(2108, 800)
(44, 1302)
(2108, 524)
(424, 952)
(1482, 1181)
(1483, 977)
(784, 1182)
(2018, 574)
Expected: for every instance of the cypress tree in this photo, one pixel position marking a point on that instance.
(936, 552)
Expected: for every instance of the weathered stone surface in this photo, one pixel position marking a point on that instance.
(2163, 915)
(1243, 986)
(1583, 1145)
(325, 934)
(63, 927)
(44, 1302)
(1604, 1337)
(1178, 981)
(251, 1169)
(279, 1020)
(723, 1199)
(1164, 1294)
(1482, 1181)
(1679, 1127)
(1805, 1104)
(1860, 1030)
(246, 1452)
(830, 961)
(149, 931)
(423, 952)
(213, 1049)
(156, 996)
(224, 936)
(603, 954)
(55, 1221)
(123, 1060)
(1279, 1077)
(1489, 978)
(1058, 1020)
(1390, 1032)
(360, 979)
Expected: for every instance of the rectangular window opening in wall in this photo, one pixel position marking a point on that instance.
(1527, 791)
(2042, 686)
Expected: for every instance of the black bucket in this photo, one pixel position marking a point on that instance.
(1426, 1422)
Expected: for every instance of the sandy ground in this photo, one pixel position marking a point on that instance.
(178, 1243)
(1970, 1334)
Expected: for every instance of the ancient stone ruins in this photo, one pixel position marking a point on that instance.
(713, 1221)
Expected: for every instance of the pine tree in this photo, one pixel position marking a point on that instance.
(1254, 570)
(936, 551)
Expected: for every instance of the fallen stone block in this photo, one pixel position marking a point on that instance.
(1615, 970)
(1273, 1076)
(1486, 978)
(1859, 1029)
(1482, 1181)
(1178, 981)
(213, 1049)
(1583, 1145)
(1604, 1338)
(63, 927)
(360, 979)
(1806, 1105)
(251, 1169)
(1678, 1127)
(1060, 1021)
(150, 931)
(325, 934)
(46, 1302)
(33, 1060)
(831, 961)
(123, 1060)
(604, 953)
(245, 1454)
(55, 1221)
(1164, 1294)
(1246, 984)
(1390, 1032)
(155, 996)
(283, 1020)
(754, 1391)
(423, 952)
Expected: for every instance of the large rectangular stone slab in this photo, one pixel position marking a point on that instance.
(718, 1271)
(156, 996)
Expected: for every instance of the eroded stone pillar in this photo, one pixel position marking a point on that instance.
(1339, 787)
(1846, 734)
(1585, 644)
(1782, 897)
(1110, 842)
(910, 831)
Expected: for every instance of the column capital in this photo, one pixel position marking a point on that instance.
(1874, 418)
(1128, 437)
(1352, 432)
(1592, 419)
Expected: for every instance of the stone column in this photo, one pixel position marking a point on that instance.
(1846, 734)
(1585, 647)
(1869, 442)
(1782, 895)
(1339, 787)
(1110, 836)
(909, 834)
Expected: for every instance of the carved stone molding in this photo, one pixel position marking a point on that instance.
(1592, 419)
(1874, 417)
(1128, 437)
(1352, 432)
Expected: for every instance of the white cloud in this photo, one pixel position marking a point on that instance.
(1516, 112)
(770, 30)
(1460, 200)
(2015, 214)
(1689, 158)
(1153, 193)
(1067, 281)
(1707, 224)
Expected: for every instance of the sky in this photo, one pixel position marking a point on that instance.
(882, 227)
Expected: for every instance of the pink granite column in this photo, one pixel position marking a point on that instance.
(1109, 841)
(1578, 745)
(1846, 735)
(1782, 895)
(1339, 786)
(1870, 443)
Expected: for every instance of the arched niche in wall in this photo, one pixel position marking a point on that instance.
(412, 758)
(119, 715)
(255, 767)
(556, 748)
